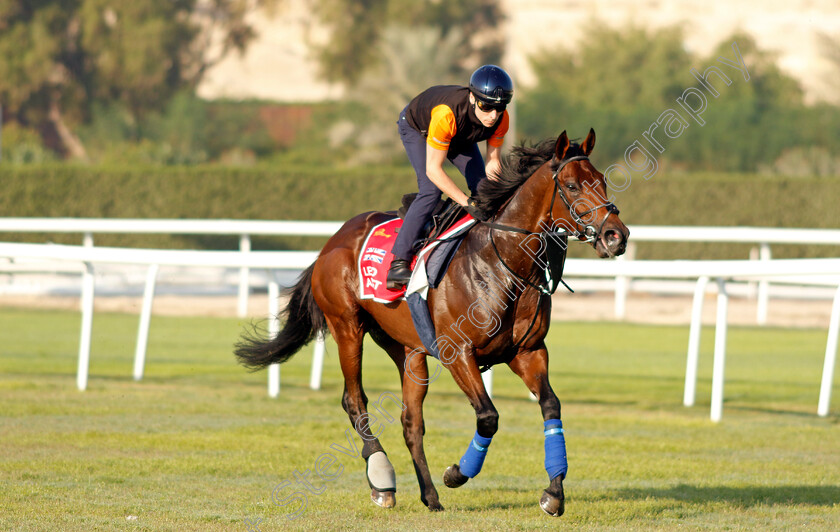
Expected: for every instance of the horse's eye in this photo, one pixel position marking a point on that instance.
(571, 186)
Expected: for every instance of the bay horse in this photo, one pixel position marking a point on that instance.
(551, 185)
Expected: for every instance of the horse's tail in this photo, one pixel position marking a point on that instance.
(303, 321)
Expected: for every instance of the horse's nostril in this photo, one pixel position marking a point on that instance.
(615, 241)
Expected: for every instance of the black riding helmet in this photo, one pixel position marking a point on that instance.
(490, 84)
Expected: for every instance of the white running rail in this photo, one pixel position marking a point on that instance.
(824, 272)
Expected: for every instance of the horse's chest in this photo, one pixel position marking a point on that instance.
(494, 328)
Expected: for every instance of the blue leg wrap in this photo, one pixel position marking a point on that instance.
(555, 449)
(473, 459)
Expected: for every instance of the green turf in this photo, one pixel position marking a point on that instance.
(198, 445)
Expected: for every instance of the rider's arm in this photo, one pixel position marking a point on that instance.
(494, 148)
(494, 161)
(436, 174)
(441, 130)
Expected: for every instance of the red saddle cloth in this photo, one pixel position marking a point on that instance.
(375, 260)
(376, 257)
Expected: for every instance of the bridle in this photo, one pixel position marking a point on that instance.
(590, 233)
(585, 233)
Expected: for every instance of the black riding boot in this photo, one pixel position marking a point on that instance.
(398, 275)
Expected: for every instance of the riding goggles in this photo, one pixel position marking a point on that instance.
(488, 106)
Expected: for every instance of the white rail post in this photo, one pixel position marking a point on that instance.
(720, 352)
(763, 287)
(87, 326)
(145, 322)
(317, 363)
(244, 277)
(487, 377)
(87, 318)
(622, 284)
(694, 332)
(273, 329)
(830, 356)
(752, 285)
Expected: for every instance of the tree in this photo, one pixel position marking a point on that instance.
(60, 57)
(388, 51)
(411, 59)
(768, 86)
(357, 30)
(617, 68)
(830, 46)
(753, 121)
(620, 81)
(614, 81)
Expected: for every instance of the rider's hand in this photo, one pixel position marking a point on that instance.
(472, 208)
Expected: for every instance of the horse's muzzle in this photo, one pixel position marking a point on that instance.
(613, 240)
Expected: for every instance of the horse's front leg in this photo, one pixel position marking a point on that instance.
(532, 368)
(464, 370)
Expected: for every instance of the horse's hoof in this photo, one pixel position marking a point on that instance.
(385, 499)
(436, 507)
(453, 478)
(432, 504)
(552, 505)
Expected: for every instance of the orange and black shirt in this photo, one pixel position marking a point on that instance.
(443, 114)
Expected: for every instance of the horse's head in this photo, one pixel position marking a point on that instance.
(580, 205)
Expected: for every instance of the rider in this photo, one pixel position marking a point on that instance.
(448, 122)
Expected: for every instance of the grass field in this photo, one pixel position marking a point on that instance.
(198, 445)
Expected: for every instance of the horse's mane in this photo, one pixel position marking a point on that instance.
(517, 167)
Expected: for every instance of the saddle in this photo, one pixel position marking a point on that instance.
(446, 213)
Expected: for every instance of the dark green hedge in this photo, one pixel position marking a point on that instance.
(731, 200)
(197, 192)
(331, 194)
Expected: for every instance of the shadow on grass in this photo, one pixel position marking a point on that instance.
(746, 496)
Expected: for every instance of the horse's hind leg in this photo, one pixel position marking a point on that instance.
(380, 473)
(414, 374)
(532, 368)
(415, 383)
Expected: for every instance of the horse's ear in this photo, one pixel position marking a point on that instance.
(562, 146)
(589, 143)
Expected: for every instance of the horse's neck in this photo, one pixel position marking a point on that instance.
(528, 209)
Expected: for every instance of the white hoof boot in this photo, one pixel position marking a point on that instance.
(382, 480)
